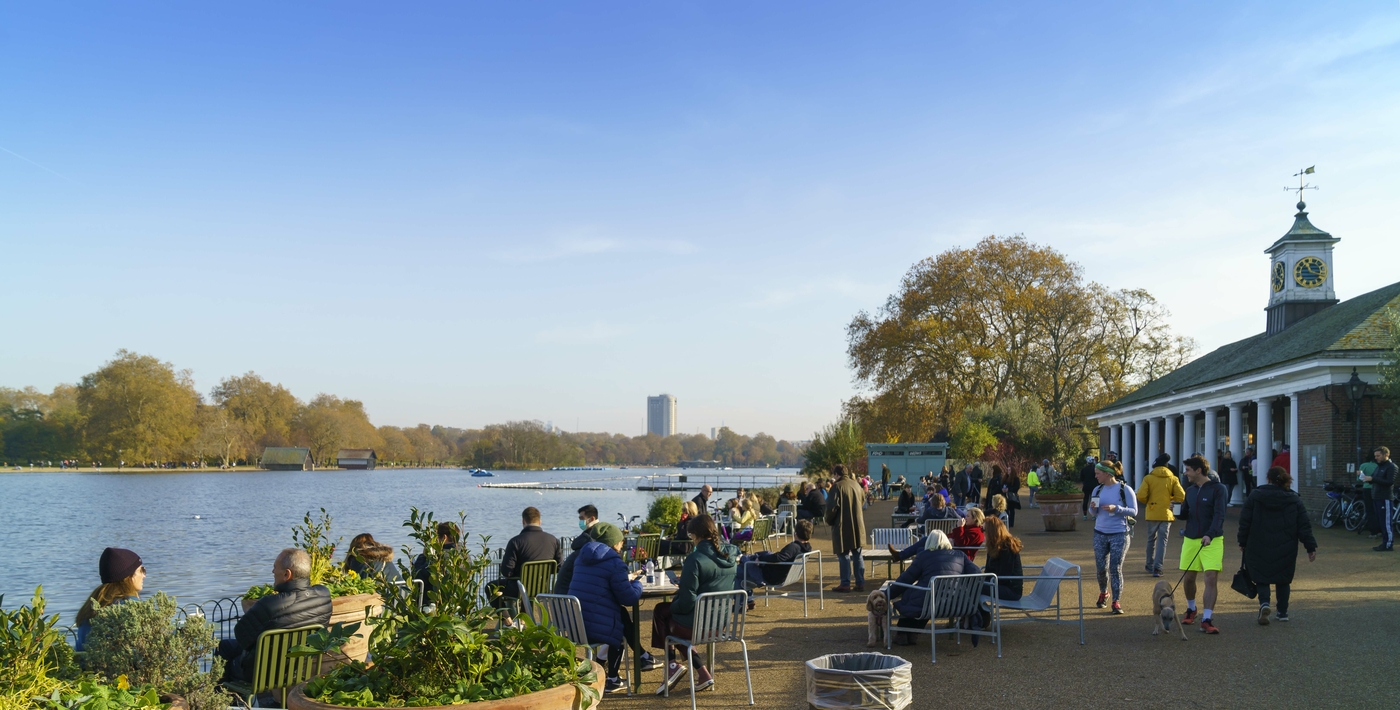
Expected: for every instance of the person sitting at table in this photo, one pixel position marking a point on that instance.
(905, 504)
(999, 510)
(743, 520)
(758, 570)
(533, 544)
(937, 559)
(968, 538)
(1004, 559)
(763, 507)
(587, 520)
(813, 503)
(938, 509)
(710, 568)
(738, 500)
(368, 558)
(603, 587)
(679, 542)
(789, 495)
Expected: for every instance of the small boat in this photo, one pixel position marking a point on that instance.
(480, 473)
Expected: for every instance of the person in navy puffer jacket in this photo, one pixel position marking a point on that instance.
(603, 586)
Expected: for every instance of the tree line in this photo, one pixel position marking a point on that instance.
(142, 411)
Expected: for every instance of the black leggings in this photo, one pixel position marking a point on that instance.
(1282, 595)
(1088, 493)
(1010, 517)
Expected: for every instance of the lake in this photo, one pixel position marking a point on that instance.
(211, 535)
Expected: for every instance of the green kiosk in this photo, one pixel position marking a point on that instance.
(909, 460)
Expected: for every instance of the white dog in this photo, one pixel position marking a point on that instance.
(875, 607)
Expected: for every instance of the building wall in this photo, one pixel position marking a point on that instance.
(661, 415)
(1327, 440)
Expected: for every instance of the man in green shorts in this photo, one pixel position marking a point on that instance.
(1202, 549)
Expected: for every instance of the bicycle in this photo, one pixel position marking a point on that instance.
(1347, 505)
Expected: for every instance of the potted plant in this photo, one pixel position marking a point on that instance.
(1060, 501)
(445, 651)
(352, 598)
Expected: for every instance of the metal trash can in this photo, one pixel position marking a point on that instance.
(864, 681)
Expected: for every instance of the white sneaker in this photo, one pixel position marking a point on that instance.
(674, 673)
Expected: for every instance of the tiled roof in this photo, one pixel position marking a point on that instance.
(355, 454)
(285, 455)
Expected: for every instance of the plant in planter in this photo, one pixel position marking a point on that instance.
(314, 536)
(443, 653)
(141, 641)
(1060, 502)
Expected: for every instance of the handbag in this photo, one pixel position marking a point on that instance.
(1243, 584)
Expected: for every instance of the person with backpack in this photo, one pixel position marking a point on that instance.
(1114, 504)
(1272, 523)
(1202, 550)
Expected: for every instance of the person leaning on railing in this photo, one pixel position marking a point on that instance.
(296, 603)
(123, 575)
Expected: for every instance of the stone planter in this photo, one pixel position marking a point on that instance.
(347, 610)
(564, 697)
(1060, 511)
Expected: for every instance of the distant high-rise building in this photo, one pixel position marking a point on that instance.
(661, 415)
(713, 432)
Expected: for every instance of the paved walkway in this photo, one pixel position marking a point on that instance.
(1339, 650)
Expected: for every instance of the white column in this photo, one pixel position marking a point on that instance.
(1211, 438)
(1263, 439)
(1125, 454)
(1295, 451)
(1169, 440)
(1154, 444)
(1237, 445)
(1113, 441)
(1188, 438)
(1139, 450)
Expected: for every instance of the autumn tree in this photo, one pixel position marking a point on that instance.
(264, 410)
(137, 408)
(330, 423)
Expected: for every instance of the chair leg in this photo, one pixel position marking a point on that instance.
(748, 678)
(692, 681)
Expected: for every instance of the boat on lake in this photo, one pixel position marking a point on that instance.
(480, 472)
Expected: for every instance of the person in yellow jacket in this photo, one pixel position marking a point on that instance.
(1033, 483)
(1158, 491)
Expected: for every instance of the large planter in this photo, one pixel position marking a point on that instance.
(1059, 511)
(347, 610)
(564, 697)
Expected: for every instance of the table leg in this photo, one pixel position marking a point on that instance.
(636, 685)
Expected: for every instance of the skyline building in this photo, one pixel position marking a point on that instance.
(661, 415)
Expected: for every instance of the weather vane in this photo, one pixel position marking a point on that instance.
(1301, 175)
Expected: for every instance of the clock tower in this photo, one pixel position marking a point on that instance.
(1300, 273)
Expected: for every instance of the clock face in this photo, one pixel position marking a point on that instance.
(1310, 272)
(1277, 279)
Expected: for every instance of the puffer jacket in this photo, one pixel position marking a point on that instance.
(375, 561)
(927, 565)
(704, 571)
(603, 587)
(1158, 491)
(296, 603)
(1272, 523)
(566, 570)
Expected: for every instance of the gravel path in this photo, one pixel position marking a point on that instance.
(1339, 650)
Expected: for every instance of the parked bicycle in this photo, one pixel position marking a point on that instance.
(1347, 506)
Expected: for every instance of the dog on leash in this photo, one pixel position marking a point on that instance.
(875, 607)
(1164, 610)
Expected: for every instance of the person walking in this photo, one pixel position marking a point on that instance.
(1202, 550)
(974, 494)
(1247, 471)
(884, 482)
(847, 521)
(1229, 474)
(1088, 481)
(1158, 491)
(1272, 523)
(1113, 505)
(1381, 485)
(1033, 483)
(962, 485)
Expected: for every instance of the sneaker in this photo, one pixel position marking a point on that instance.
(650, 662)
(1103, 600)
(1263, 614)
(1117, 608)
(704, 680)
(751, 605)
(1157, 572)
(1190, 617)
(1383, 548)
(674, 673)
(615, 685)
(1281, 616)
(1208, 627)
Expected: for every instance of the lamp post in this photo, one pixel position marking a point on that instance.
(1356, 389)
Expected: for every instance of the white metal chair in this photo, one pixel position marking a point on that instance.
(780, 525)
(947, 525)
(565, 614)
(1045, 594)
(956, 597)
(719, 618)
(797, 572)
(899, 537)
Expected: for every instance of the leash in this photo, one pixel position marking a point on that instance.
(1188, 568)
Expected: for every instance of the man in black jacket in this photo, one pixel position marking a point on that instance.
(296, 603)
(813, 505)
(1088, 480)
(1382, 480)
(531, 545)
(702, 499)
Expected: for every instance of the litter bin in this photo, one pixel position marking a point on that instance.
(864, 681)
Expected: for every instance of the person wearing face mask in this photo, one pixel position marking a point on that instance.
(587, 521)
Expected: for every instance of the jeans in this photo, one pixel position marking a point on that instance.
(750, 575)
(1229, 493)
(1282, 596)
(846, 559)
(1109, 551)
(1033, 489)
(1158, 532)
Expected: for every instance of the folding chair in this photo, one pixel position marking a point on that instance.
(762, 529)
(536, 578)
(719, 618)
(1045, 594)
(273, 669)
(954, 596)
(797, 572)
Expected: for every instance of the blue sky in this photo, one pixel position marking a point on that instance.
(463, 213)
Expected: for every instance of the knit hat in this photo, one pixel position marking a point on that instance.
(117, 564)
(607, 533)
(1161, 460)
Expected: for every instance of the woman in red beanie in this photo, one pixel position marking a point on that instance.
(123, 575)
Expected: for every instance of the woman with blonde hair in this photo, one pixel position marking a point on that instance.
(968, 537)
(123, 575)
(999, 508)
(679, 544)
(1003, 559)
(744, 519)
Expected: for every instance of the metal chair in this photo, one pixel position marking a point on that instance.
(536, 578)
(782, 526)
(564, 612)
(1045, 594)
(947, 525)
(719, 618)
(797, 572)
(899, 537)
(762, 530)
(273, 669)
(953, 596)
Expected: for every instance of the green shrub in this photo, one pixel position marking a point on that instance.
(665, 512)
(141, 641)
(31, 653)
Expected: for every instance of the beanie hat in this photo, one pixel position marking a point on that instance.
(607, 533)
(1161, 460)
(117, 564)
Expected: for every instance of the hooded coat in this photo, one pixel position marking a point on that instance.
(373, 561)
(1158, 491)
(844, 515)
(927, 565)
(704, 571)
(603, 587)
(1272, 524)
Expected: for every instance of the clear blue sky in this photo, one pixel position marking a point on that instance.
(463, 213)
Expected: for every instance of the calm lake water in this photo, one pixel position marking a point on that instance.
(210, 535)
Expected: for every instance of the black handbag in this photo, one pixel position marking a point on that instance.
(1243, 584)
